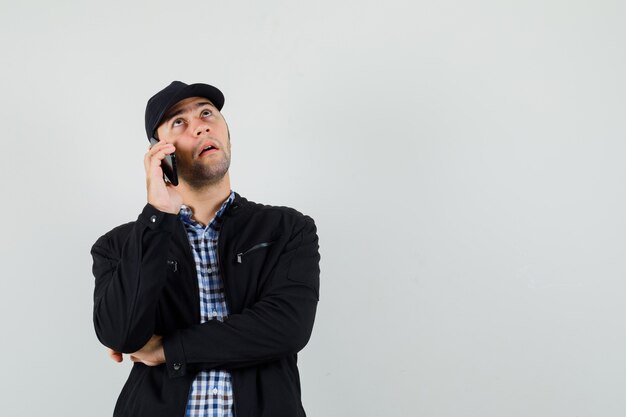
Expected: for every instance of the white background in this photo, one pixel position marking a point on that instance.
(463, 161)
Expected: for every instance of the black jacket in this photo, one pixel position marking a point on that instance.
(146, 284)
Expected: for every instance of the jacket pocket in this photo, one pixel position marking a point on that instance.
(242, 255)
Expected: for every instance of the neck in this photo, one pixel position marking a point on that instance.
(205, 202)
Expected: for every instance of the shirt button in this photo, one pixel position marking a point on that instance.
(214, 391)
(153, 219)
(214, 312)
(177, 366)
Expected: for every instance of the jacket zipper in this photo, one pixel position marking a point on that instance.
(228, 304)
(252, 249)
(193, 266)
(195, 284)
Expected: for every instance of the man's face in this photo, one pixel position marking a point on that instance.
(192, 125)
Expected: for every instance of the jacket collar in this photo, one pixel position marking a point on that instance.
(239, 204)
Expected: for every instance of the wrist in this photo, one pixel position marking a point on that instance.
(165, 209)
(156, 218)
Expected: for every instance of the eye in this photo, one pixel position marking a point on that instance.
(206, 113)
(177, 122)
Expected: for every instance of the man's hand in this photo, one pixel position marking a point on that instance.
(116, 356)
(163, 196)
(151, 354)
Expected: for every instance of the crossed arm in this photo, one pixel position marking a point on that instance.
(279, 323)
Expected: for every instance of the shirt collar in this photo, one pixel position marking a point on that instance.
(185, 212)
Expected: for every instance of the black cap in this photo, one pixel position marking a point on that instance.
(162, 101)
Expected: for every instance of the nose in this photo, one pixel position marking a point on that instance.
(202, 128)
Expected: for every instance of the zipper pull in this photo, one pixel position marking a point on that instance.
(239, 256)
(173, 265)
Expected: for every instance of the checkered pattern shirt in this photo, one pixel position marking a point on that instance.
(211, 393)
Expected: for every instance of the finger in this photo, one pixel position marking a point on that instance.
(165, 149)
(156, 160)
(159, 146)
(153, 159)
(116, 356)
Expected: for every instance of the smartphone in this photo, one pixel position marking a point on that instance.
(168, 165)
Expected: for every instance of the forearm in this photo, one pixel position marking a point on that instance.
(272, 329)
(278, 324)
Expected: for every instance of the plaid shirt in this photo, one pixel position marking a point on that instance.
(211, 393)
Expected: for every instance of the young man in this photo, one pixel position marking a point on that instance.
(212, 295)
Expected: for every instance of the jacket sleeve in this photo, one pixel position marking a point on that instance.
(277, 325)
(129, 278)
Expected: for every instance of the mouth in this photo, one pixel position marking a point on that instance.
(208, 149)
